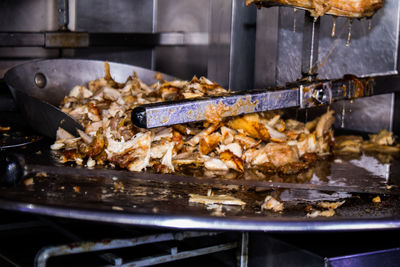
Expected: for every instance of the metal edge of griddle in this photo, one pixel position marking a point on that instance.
(190, 222)
(146, 176)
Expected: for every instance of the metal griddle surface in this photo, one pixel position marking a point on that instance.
(157, 200)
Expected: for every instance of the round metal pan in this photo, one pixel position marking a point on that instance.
(38, 87)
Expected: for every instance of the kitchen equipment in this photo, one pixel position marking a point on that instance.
(301, 95)
(38, 87)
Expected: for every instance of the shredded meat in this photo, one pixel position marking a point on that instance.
(262, 141)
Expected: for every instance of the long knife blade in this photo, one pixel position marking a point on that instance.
(301, 95)
(190, 110)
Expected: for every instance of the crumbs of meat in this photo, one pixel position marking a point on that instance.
(328, 209)
(41, 174)
(271, 203)
(4, 128)
(216, 199)
(377, 199)
(29, 181)
(254, 141)
(382, 142)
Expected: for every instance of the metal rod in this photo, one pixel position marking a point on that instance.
(21, 225)
(181, 255)
(45, 253)
(63, 14)
(109, 257)
(309, 60)
(244, 250)
(61, 39)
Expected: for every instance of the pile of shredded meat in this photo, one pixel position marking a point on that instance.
(317, 8)
(261, 140)
(382, 142)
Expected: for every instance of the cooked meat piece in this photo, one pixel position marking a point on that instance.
(216, 199)
(384, 137)
(347, 144)
(281, 154)
(209, 143)
(232, 161)
(331, 205)
(271, 203)
(383, 142)
(346, 8)
(250, 125)
(325, 213)
(324, 123)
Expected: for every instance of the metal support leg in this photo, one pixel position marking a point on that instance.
(243, 258)
(83, 247)
(309, 57)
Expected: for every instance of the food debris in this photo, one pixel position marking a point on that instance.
(90, 163)
(117, 208)
(216, 199)
(325, 213)
(377, 199)
(382, 142)
(216, 210)
(29, 181)
(41, 174)
(347, 144)
(271, 203)
(331, 205)
(77, 189)
(119, 187)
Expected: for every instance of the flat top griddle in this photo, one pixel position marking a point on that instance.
(159, 200)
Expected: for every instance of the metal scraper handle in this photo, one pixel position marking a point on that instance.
(302, 95)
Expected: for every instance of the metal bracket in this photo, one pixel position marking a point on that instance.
(326, 92)
(315, 94)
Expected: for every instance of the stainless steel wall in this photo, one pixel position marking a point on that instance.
(23, 15)
(183, 16)
(113, 16)
(371, 52)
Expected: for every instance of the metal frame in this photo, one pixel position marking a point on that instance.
(232, 44)
(85, 39)
(83, 247)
